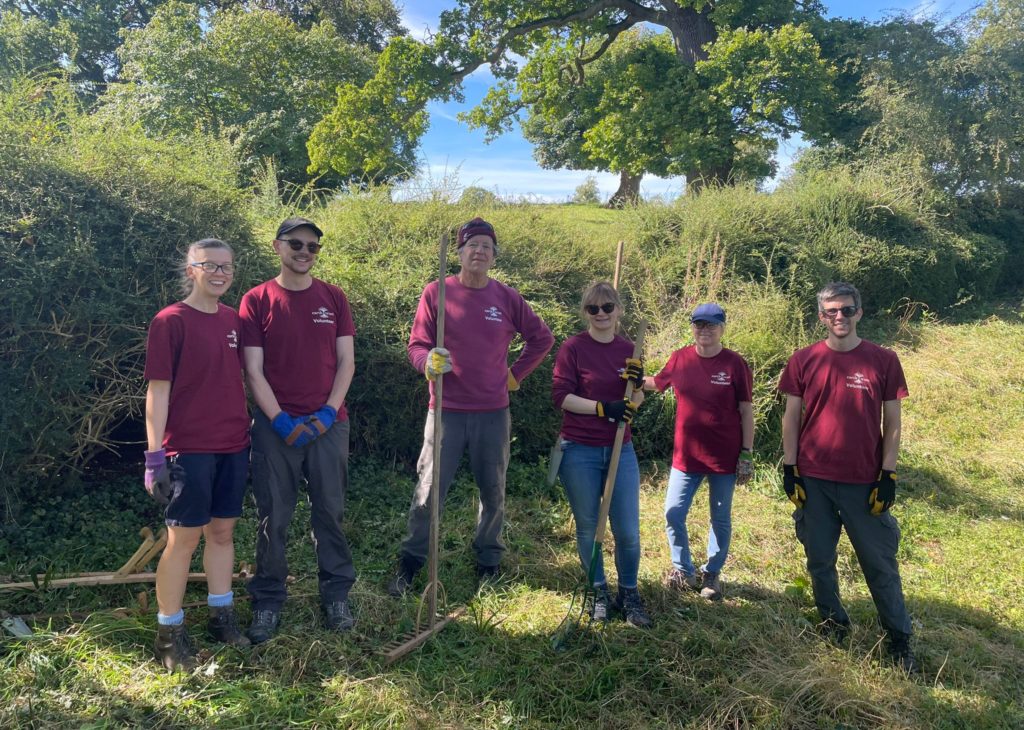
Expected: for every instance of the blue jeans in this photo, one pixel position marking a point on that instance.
(681, 488)
(583, 472)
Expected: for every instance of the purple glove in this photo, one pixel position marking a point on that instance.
(156, 478)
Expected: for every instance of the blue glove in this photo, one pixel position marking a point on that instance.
(322, 420)
(293, 431)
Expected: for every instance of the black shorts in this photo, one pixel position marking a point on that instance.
(214, 487)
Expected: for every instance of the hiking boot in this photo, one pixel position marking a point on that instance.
(174, 649)
(900, 652)
(264, 625)
(400, 584)
(338, 616)
(223, 626)
(632, 607)
(677, 580)
(710, 586)
(601, 608)
(835, 632)
(487, 574)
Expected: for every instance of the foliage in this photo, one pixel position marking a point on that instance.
(369, 23)
(477, 197)
(98, 28)
(587, 192)
(947, 93)
(95, 28)
(30, 45)
(735, 664)
(251, 76)
(92, 221)
(704, 98)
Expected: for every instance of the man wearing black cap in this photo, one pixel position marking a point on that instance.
(482, 316)
(299, 361)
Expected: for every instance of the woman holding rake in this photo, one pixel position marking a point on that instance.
(591, 370)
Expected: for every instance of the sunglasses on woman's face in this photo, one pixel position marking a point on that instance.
(607, 308)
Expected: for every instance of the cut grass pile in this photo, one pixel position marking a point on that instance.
(752, 660)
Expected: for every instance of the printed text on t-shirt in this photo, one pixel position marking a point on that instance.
(323, 316)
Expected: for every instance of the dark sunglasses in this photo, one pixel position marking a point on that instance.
(296, 245)
(847, 311)
(703, 324)
(607, 308)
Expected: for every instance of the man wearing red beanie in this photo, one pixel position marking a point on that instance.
(482, 316)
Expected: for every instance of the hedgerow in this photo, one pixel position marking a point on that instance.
(92, 222)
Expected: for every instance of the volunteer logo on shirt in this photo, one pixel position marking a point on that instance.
(721, 378)
(323, 316)
(492, 314)
(233, 339)
(858, 381)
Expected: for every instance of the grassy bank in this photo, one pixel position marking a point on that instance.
(753, 660)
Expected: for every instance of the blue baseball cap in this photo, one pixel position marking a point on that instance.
(710, 312)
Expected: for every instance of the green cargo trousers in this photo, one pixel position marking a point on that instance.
(830, 507)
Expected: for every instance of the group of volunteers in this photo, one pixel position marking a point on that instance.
(292, 339)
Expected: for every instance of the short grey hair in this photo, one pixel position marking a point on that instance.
(836, 289)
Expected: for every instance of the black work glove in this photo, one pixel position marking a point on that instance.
(616, 410)
(793, 483)
(883, 492)
(634, 371)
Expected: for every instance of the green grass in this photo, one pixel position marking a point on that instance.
(751, 661)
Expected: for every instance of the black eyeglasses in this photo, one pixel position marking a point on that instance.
(211, 268)
(296, 245)
(703, 324)
(607, 308)
(847, 311)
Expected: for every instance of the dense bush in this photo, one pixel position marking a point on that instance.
(92, 222)
(882, 228)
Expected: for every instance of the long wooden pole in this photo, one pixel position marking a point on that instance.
(435, 486)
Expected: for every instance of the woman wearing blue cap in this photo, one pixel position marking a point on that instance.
(714, 436)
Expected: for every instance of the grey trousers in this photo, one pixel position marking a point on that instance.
(485, 434)
(277, 470)
(830, 507)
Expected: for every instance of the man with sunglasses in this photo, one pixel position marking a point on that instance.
(482, 317)
(841, 437)
(299, 362)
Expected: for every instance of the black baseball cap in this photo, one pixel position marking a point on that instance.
(290, 224)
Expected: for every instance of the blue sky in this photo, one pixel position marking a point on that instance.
(453, 156)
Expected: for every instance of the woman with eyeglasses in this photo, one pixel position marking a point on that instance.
(589, 385)
(197, 462)
(714, 437)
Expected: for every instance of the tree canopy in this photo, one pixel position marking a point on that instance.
(703, 97)
(252, 75)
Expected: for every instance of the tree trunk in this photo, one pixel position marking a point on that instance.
(628, 192)
(691, 31)
(698, 179)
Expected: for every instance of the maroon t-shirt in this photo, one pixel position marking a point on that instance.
(709, 431)
(843, 392)
(201, 355)
(590, 369)
(298, 331)
(479, 326)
